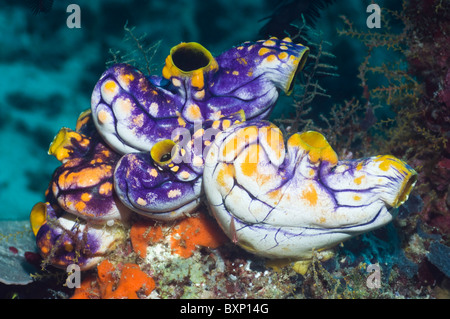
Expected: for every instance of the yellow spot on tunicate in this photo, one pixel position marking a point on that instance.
(216, 124)
(176, 82)
(287, 39)
(105, 189)
(153, 172)
(356, 197)
(226, 124)
(269, 43)
(263, 51)
(322, 220)
(193, 112)
(271, 58)
(103, 117)
(181, 121)
(87, 177)
(125, 106)
(197, 161)
(198, 133)
(175, 169)
(250, 165)
(184, 175)
(240, 48)
(310, 195)
(249, 73)
(127, 78)
(282, 55)
(242, 61)
(141, 201)
(243, 136)
(227, 171)
(80, 206)
(200, 95)
(388, 161)
(235, 73)
(275, 141)
(294, 60)
(197, 79)
(110, 87)
(359, 166)
(283, 47)
(85, 197)
(139, 120)
(358, 180)
(275, 194)
(207, 143)
(174, 193)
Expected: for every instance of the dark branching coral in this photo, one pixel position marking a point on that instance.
(409, 95)
(139, 53)
(403, 110)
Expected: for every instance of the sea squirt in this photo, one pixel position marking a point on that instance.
(290, 201)
(129, 130)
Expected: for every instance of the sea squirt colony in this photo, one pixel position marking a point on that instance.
(160, 145)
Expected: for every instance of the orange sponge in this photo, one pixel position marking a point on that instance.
(142, 234)
(132, 281)
(88, 289)
(185, 235)
(195, 231)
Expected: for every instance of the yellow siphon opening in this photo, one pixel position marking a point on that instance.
(302, 60)
(37, 217)
(161, 152)
(185, 58)
(407, 186)
(318, 147)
